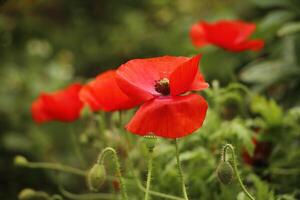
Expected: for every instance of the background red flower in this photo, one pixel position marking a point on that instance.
(231, 35)
(63, 105)
(103, 93)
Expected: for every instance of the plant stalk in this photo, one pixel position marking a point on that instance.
(180, 172)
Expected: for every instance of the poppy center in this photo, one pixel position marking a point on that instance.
(162, 86)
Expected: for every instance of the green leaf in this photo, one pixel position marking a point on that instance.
(268, 72)
(263, 191)
(268, 109)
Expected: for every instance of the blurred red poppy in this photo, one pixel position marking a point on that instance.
(261, 154)
(103, 93)
(163, 84)
(63, 105)
(231, 35)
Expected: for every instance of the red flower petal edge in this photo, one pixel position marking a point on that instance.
(63, 105)
(232, 35)
(182, 77)
(103, 93)
(169, 117)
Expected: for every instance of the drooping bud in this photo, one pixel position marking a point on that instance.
(30, 194)
(96, 177)
(225, 172)
(150, 141)
(20, 161)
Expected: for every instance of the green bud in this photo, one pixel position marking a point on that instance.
(26, 194)
(83, 138)
(96, 177)
(225, 172)
(150, 141)
(20, 161)
(30, 194)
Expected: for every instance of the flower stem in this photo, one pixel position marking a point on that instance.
(154, 193)
(229, 146)
(88, 196)
(118, 168)
(180, 171)
(150, 159)
(55, 166)
(76, 146)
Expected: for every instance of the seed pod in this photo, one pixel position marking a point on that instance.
(225, 172)
(20, 161)
(96, 177)
(150, 141)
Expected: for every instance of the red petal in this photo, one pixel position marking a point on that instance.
(39, 115)
(254, 45)
(171, 117)
(199, 83)
(63, 105)
(198, 35)
(137, 77)
(103, 93)
(183, 77)
(226, 34)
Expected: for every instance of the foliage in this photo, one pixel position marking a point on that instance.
(45, 45)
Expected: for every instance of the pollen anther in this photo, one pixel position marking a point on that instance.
(163, 86)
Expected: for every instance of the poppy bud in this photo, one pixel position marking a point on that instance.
(83, 139)
(20, 161)
(225, 172)
(96, 177)
(30, 194)
(150, 141)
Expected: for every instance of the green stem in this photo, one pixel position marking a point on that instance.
(118, 168)
(158, 194)
(88, 196)
(125, 133)
(55, 166)
(229, 146)
(148, 183)
(76, 147)
(180, 171)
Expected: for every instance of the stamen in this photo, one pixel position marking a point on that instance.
(163, 86)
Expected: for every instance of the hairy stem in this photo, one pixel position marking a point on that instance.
(118, 168)
(148, 183)
(229, 146)
(180, 171)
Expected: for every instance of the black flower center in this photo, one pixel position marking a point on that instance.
(162, 86)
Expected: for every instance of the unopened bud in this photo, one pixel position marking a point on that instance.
(96, 177)
(225, 172)
(83, 139)
(30, 194)
(20, 161)
(150, 141)
(26, 194)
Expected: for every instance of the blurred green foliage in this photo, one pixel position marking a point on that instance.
(45, 45)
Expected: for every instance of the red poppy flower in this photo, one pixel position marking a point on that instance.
(103, 93)
(163, 84)
(63, 105)
(230, 35)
